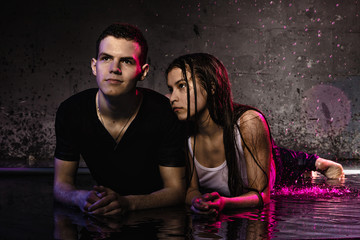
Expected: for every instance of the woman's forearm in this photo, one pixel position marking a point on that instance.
(248, 200)
(190, 194)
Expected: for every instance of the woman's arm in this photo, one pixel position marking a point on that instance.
(193, 195)
(256, 143)
(193, 189)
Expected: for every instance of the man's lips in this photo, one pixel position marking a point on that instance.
(114, 80)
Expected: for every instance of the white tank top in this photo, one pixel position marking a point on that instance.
(216, 178)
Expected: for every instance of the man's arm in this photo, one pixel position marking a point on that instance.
(64, 186)
(173, 193)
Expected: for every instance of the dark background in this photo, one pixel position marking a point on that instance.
(297, 61)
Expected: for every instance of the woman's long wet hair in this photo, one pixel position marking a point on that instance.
(213, 77)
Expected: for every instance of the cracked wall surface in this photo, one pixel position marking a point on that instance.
(296, 61)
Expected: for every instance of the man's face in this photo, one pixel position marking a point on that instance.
(117, 67)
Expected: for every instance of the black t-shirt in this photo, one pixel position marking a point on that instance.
(154, 138)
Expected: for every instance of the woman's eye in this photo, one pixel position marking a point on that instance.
(182, 85)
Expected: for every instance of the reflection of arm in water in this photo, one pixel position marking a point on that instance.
(147, 224)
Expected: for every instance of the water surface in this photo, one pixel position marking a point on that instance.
(313, 209)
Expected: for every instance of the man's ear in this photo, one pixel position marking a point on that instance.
(144, 71)
(93, 66)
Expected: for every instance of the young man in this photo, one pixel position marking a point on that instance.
(129, 137)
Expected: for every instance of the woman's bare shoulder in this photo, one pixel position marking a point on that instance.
(251, 116)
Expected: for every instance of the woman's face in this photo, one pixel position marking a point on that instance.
(178, 95)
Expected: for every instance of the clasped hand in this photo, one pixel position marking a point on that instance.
(105, 202)
(208, 204)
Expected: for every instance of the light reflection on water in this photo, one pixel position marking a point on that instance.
(316, 208)
(313, 209)
(321, 209)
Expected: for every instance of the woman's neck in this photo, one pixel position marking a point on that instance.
(207, 127)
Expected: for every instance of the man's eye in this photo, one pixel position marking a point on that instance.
(105, 58)
(126, 61)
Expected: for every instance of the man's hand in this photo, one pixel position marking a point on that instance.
(89, 199)
(109, 203)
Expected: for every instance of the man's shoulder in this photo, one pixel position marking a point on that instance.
(154, 97)
(79, 100)
(81, 96)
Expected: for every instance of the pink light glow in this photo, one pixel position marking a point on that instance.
(312, 192)
(321, 103)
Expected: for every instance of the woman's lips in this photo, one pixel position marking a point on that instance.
(176, 109)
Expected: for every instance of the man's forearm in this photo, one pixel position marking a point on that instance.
(69, 195)
(162, 198)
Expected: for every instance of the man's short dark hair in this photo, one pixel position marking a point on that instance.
(128, 32)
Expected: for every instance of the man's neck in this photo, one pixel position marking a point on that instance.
(119, 107)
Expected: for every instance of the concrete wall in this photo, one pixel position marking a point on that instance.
(297, 61)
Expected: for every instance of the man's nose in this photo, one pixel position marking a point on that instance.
(116, 68)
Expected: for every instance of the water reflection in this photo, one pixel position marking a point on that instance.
(314, 209)
(165, 223)
(248, 224)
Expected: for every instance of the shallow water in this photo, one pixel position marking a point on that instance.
(314, 209)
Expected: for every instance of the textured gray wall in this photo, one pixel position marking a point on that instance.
(297, 61)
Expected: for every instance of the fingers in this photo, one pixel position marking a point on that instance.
(211, 212)
(102, 191)
(210, 196)
(111, 209)
(110, 205)
(200, 204)
(90, 198)
(100, 206)
(208, 204)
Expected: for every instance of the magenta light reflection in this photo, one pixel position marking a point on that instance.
(313, 192)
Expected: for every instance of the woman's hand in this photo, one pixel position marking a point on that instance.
(208, 204)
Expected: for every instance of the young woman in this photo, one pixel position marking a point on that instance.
(233, 160)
